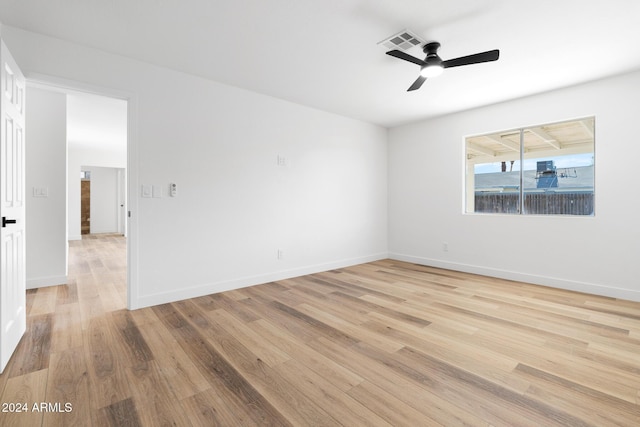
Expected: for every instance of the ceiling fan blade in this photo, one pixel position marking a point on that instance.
(406, 57)
(417, 83)
(491, 55)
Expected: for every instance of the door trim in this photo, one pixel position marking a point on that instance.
(47, 82)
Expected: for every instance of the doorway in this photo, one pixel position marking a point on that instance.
(102, 200)
(85, 202)
(98, 127)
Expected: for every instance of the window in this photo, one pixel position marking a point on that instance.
(538, 170)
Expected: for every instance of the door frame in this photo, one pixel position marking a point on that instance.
(47, 82)
(122, 200)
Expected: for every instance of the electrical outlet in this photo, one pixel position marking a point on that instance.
(280, 254)
(445, 247)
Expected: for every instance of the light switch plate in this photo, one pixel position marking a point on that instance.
(157, 191)
(40, 191)
(146, 190)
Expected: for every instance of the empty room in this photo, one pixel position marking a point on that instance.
(317, 213)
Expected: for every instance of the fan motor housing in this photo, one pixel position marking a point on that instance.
(431, 49)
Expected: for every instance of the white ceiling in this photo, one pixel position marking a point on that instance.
(324, 53)
(96, 122)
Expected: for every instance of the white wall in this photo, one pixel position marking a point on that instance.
(103, 199)
(235, 206)
(591, 254)
(46, 245)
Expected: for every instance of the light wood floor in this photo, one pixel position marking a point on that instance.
(384, 343)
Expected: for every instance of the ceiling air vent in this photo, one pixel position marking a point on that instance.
(403, 41)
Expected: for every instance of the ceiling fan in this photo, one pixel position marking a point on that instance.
(433, 65)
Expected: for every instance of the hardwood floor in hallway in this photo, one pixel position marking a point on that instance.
(378, 344)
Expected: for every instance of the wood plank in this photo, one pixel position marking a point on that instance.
(344, 409)
(209, 408)
(294, 406)
(177, 369)
(480, 395)
(22, 393)
(314, 324)
(337, 374)
(68, 385)
(44, 301)
(309, 296)
(478, 360)
(107, 378)
(155, 404)
(388, 407)
(264, 350)
(122, 414)
(67, 293)
(224, 301)
(434, 408)
(33, 351)
(351, 330)
(67, 328)
(134, 347)
(216, 368)
(31, 297)
(595, 405)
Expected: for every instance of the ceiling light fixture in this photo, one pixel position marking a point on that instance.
(431, 70)
(433, 65)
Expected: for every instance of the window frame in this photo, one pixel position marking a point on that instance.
(588, 123)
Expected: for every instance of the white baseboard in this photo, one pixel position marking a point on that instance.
(553, 282)
(242, 282)
(76, 237)
(43, 282)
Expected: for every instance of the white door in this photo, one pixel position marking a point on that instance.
(12, 195)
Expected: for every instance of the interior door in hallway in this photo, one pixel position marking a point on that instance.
(12, 207)
(85, 206)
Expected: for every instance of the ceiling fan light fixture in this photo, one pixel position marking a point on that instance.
(431, 70)
(433, 65)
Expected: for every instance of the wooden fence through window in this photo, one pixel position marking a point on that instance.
(548, 203)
